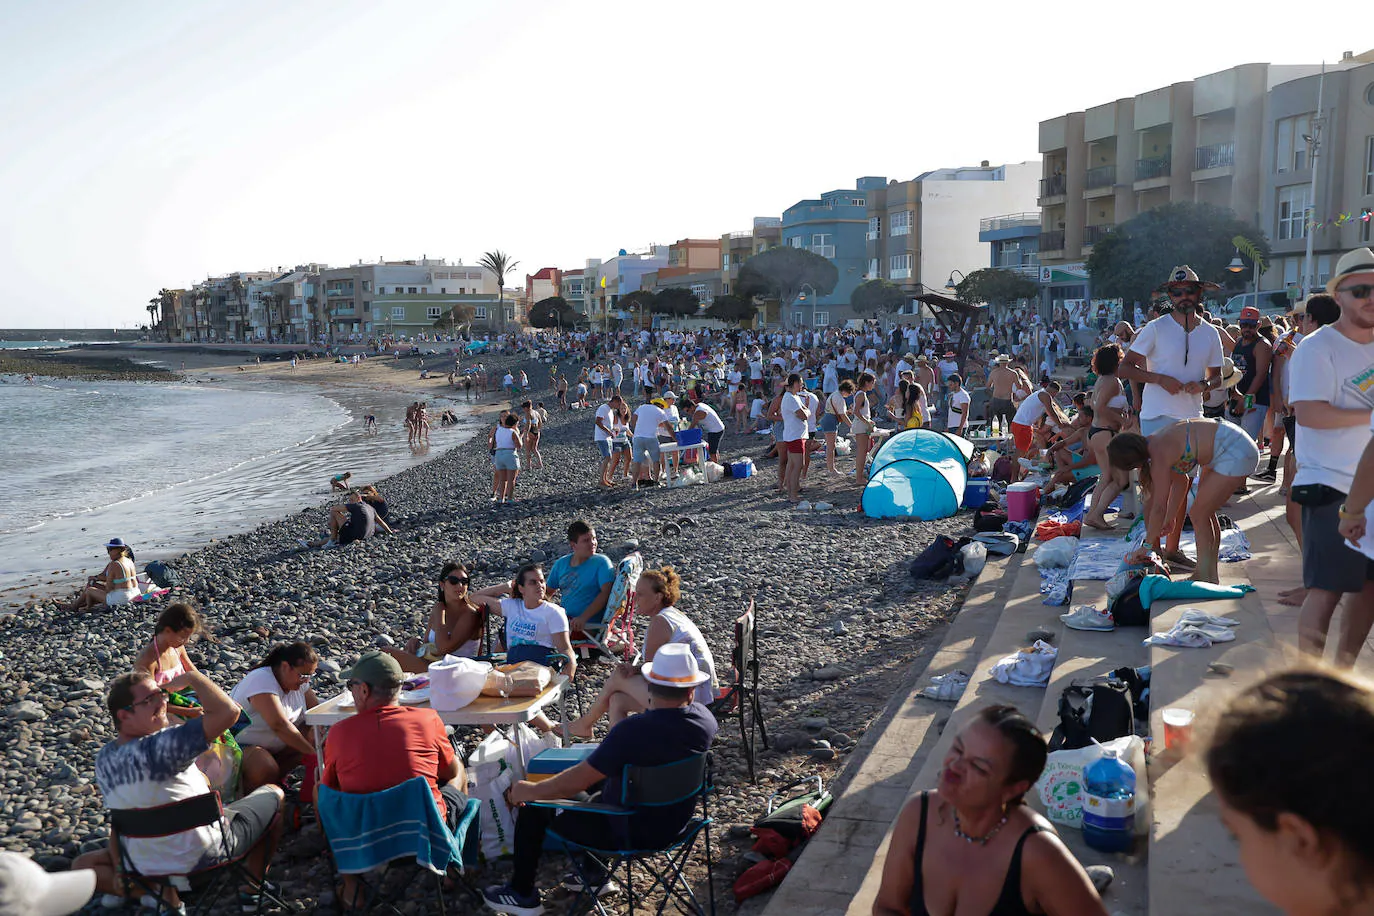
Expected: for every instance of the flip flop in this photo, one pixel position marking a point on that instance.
(1104, 526)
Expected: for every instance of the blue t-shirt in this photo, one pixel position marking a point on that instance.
(579, 585)
(654, 738)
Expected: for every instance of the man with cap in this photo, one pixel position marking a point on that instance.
(673, 729)
(1252, 356)
(384, 743)
(27, 890)
(1332, 394)
(1177, 358)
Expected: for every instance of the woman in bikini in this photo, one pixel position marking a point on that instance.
(531, 423)
(1109, 417)
(165, 657)
(117, 584)
(741, 408)
(456, 624)
(972, 845)
(1166, 462)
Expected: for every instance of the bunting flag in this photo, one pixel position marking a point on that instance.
(1340, 219)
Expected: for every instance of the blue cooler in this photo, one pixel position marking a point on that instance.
(550, 762)
(688, 437)
(742, 469)
(976, 492)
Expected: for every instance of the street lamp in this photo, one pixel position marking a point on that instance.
(801, 297)
(950, 285)
(1237, 265)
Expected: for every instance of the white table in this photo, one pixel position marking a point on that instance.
(674, 452)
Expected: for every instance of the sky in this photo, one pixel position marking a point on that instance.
(146, 143)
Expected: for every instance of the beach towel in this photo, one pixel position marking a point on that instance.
(1159, 588)
(1055, 585)
(366, 831)
(1098, 558)
(1234, 546)
(1028, 667)
(1191, 636)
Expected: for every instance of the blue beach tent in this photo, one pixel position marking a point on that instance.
(917, 473)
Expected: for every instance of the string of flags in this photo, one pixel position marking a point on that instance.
(1341, 219)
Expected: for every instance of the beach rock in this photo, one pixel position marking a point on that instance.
(815, 722)
(828, 673)
(822, 753)
(839, 628)
(26, 711)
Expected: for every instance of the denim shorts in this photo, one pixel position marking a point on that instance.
(604, 447)
(506, 459)
(644, 449)
(829, 423)
(1234, 453)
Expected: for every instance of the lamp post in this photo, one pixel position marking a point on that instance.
(950, 285)
(802, 297)
(1237, 265)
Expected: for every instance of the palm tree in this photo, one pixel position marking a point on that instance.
(153, 305)
(236, 289)
(167, 300)
(499, 263)
(312, 302)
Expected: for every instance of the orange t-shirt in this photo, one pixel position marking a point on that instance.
(383, 747)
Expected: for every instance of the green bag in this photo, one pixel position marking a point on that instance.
(797, 817)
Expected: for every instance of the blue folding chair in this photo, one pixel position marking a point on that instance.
(644, 789)
(368, 833)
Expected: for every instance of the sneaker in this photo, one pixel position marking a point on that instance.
(1086, 617)
(573, 882)
(1241, 490)
(505, 899)
(949, 689)
(1270, 474)
(951, 676)
(148, 901)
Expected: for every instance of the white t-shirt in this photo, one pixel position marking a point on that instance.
(1031, 409)
(647, 419)
(258, 682)
(813, 409)
(1330, 367)
(605, 415)
(711, 422)
(958, 408)
(532, 626)
(793, 427)
(1162, 343)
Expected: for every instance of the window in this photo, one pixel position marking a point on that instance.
(797, 241)
(899, 267)
(433, 311)
(510, 313)
(412, 290)
(479, 313)
(1291, 149)
(424, 290)
(398, 313)
(1291, 269)
(822, 319)
(901, 223)
(875, 228)
(725, 262)
(703, 293)
(1292, 212)
(797, 318)
(463, 290)
(859, 201)
(376, 314)
(873, 269)
(823, 244)
(1323, 270)
(1368, 166)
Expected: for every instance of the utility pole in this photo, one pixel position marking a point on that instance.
(1317, 123)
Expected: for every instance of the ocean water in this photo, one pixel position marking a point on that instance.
(170, 466)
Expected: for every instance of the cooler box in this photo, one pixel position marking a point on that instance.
(688, 437)
(550, 762)
(1023, 502)
(742, 469)
(976, 492)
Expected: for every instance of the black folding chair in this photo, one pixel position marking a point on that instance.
(180, 817)
(644, 789)
(741, 696)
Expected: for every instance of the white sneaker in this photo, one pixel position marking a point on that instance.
(1086, 617)
(949, 689)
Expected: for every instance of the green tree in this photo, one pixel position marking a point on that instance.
(995, 287)
(733, 309)
(236, 290)
(874, 297)
(457, 319)
(787, 271)
(154, 304)
(553, 312)
(675, 301)
(1136, 257)
(638, 302)
(500, 264)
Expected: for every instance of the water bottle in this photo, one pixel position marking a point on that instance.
(1006, 426)
(1109, 804)
(996, 428)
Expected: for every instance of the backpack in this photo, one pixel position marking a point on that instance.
(162, 575)
(986, 519)
(1054, 344)
(1126, 608)
(1101, 710)
(1077, 491)
(940, 560)
(1002, 469)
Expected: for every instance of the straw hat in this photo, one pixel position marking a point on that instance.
(1185, 274)
(1230, 375)
(1359, 261)
(674, 665)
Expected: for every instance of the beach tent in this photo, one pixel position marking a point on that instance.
(918, 473)
(477, 346)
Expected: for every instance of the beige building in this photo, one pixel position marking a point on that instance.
(1234, 138)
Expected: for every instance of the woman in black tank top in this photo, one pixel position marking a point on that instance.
(972, 846)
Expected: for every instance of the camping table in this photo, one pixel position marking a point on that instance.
(494, 711)
(674, 452)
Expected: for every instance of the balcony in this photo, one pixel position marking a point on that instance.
(1051, 241)
(1009, 221)
(1094, 234)
(1104, 176)
(900, 273)
(1053, 186)
(1216, 156)
(873, 235)
(1152, 169)
(339, 291)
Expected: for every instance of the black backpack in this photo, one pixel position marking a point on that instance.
(1101, 710)
(986, 519)
(1126, 609)
(162, 574)
(940, 560)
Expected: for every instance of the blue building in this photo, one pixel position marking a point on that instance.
(834, 227)
(1015, 241)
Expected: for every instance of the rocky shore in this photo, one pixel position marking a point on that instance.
(840, 621)
(64, 364)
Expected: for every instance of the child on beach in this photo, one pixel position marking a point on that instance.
(340, 481)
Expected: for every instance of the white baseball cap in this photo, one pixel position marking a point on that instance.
(27, 890)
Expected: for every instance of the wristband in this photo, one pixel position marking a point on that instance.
(1348, 516)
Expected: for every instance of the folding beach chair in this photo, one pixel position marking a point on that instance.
(741, 696)
(644, 789)
(168, 820)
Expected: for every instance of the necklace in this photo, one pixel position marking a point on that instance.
(980, 840)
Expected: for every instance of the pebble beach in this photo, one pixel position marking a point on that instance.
(840, 623)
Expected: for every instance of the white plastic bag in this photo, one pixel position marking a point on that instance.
(1061, 791)
(454, 682)
(490, 773)
(714, 472)
(1056, 552)
(975, 558)
(532, 742)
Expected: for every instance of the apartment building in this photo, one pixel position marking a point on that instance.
(832, 226)
(622, 275)
(919, 232)
(350, 292)
(1013, 240)
(572, 286)
(1239, 138)
(542, 284)
(289, 307)
(693, 264)
(407, 315)
(741, 245)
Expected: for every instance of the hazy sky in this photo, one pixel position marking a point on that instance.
(147, 143)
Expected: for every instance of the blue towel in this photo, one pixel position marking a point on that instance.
(1055, 585)
(1098, 558)
(367, 831)
(1159, 588)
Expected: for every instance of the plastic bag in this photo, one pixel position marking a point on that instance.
(220, 763)
(454, 682)
(531, 742)
(523, 679)
(975, 557)
(1058, 552)
(714, 472)
(1060, 787)
(497, 821)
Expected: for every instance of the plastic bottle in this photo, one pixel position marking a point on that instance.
(996, 428)
(1006, 426)
(1109, 804)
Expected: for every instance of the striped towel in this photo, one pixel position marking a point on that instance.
(367, 831)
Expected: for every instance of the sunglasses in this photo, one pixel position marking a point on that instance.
(456, 580)
(1359, 291)
(1176, 292)
(1249, 324)
(303, 676)
(153, 699)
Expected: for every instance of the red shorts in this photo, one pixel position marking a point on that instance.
(1023, 435)
(796, 446)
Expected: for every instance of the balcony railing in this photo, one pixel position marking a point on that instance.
(1009, 221)
(1094, 234)
(1052, 241)
(1156, 167)
(1052, 186)
(1104, 176)
(338, 291)
(1216, 156)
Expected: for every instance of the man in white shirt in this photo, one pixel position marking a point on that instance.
(795, 414)
(958, 402)
(602, 435)
(644, 452)
(1332, 393)
(712, 427)
(813, 417)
